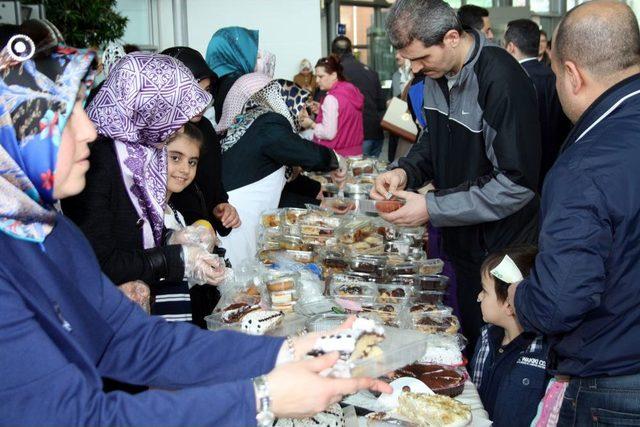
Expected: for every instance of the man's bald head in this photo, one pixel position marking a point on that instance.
(600, 36)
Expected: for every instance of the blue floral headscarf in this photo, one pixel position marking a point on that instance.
(36, 100)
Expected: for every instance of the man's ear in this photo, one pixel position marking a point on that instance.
(451, 38)
(574, 76)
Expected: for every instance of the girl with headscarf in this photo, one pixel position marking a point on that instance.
(259, 141)
(145, 99)
(233, 52)
(63, 324)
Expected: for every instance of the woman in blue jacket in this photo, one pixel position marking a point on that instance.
(63, 325)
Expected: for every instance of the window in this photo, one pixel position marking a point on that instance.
(357, 19)
(540, 6)
(481, 3)
(454, 3)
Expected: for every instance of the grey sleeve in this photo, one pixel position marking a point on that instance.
(496, 199)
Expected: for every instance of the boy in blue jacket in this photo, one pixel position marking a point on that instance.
(509, 365)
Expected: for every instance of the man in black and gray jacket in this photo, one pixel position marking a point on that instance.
(480, 148)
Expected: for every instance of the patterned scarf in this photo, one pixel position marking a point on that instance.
(268, 99)
(113, 53)
(146, 98)
(265, 63)
(36, 100)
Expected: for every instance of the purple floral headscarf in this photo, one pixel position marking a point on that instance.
(146, 98)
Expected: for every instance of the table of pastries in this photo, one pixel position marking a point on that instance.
(316, 266)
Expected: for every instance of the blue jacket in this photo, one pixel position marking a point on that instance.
(63, 325)
(584, 291)
(511, 380)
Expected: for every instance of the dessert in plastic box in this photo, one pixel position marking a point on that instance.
(362, 166)
(359, 342)
(394, 293)
(330, 189)
(404, 279)
(294, 243)
(434, 282)
(402, 269)
(291, 215)
(431, 266)
(444, 349)
(433, 410)
(374, 265)
(416, 234)
(399, 348)
(259, 322)
(435, 309)
(433, 324)
(428, 297)
(388, 206)
(445, 380)
(353, 289)
(355, 230)
(282, 292)
(388, 313)
(339, 205)
(271, 219)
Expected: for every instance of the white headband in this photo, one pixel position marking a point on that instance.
(507, 271)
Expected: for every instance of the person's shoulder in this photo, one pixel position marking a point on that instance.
(496, 64)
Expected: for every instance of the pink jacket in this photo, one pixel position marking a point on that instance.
(350, 134)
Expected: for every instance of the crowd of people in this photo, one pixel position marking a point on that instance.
(132, 190)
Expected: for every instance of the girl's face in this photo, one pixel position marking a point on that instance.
(183, 156)
(493, 311)
(325, 80)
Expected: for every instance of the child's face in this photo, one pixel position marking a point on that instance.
(493, 311)
(183, 154)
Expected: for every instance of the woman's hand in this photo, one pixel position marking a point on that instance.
(228, 215)
(138, 292)
(297, 390)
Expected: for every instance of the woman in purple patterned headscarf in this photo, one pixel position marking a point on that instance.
(145, 99)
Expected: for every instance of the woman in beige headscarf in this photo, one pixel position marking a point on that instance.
(305, 78)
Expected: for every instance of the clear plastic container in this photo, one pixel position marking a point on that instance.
(330, 189)
(435, 309)
(291, 215)
(444, 349)
(315, 307)
(353, 289)
(394, 293)
(388, 206)
(357, 191)
(340, 205)
(407, 268)
(354, 231)
(431, 266)
(428, 297)
(435, 324)
(271, 219)
(400, 347)
(325, 322)
(294, 243)
(292, 324)
(374, 265)
(434, 282)
(404, 279)
(361, 167)
(388, 313)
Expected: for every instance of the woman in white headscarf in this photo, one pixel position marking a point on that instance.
(305, 78)
(259, 141)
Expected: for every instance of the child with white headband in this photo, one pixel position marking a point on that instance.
(509, 364)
